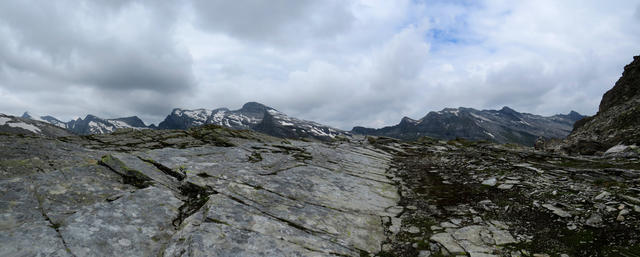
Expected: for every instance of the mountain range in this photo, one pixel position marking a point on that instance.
(252, 116)
(503, 126)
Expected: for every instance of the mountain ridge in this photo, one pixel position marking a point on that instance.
(503, 126)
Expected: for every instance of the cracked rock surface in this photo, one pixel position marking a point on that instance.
(198, 193)
(211, 191)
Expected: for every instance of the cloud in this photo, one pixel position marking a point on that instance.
(342, 63)
(109, 49)
(277, 21)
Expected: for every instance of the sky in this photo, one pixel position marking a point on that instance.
(338, 62)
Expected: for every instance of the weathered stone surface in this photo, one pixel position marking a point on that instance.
(448, 242)
(246, 198)
(136, 224)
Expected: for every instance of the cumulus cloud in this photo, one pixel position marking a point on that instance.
(343, 63)
(277, 21)
(86, 49)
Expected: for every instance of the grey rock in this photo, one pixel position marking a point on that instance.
(490, 182)
(448, 242)
(137, 224)
(557, 211)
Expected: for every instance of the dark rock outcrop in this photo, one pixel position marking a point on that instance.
(617, 120)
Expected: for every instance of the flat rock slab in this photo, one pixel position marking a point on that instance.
(137, 224)
(279, 198)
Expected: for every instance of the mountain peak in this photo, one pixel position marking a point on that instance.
(406, 119)
(27, 115)
(506, 109)
(255, 107)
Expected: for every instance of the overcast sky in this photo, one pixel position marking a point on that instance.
(337, 62)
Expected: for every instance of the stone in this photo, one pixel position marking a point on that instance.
(505, 186)
(490, 182)
(447, 241)
(424, 253)
(631, 199)
(557, 211)
(448, 224)
(413, 230)
(621, 215)
(602, 195)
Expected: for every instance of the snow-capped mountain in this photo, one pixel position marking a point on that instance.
(48, 119)
(249, 115)
(503, 126)
(20, 125)
(253, 116)
(95, 125)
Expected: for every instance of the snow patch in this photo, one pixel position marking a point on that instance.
(479, 117)
(617, 149)
(26, 126)
(491, 135)
(4, 120)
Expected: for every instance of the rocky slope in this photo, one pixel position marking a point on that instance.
(213, 191)
(25, 126)
(253, 116)
(502, 126)
(617, 120)
(463, 198)
(206, 191)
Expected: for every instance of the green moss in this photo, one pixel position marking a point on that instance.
(255, 157)
(212, 220)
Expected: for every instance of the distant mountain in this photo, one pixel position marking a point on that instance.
(48, 119)
(502, 126)
(617, 120)
(91, 124)
(254, 116)
(19, 125)
(95, 125)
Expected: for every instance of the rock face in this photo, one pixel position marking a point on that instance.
(206, 191)
(503, 126)
(617, 120)
(253, 116)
